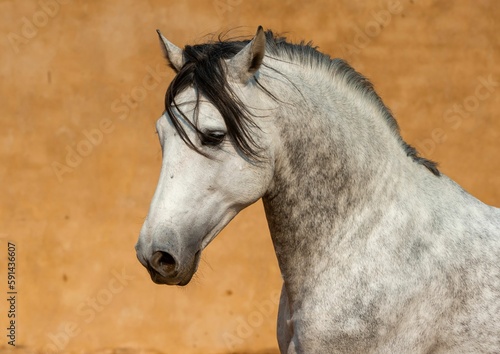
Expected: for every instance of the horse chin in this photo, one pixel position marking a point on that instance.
(186, 280)
(159, 279)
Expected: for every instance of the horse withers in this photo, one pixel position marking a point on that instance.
(379, 251)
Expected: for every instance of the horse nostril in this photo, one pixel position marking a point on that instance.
(163, 262)
(167, 260)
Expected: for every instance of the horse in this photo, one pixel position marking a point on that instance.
(379, 251)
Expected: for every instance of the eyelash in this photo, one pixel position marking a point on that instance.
(212, 138)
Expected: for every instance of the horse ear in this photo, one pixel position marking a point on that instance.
(246, 63)
(173, 53)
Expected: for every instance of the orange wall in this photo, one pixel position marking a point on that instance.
(65, 70)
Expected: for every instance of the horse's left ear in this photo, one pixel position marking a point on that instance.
(174, 54)
(246, 63)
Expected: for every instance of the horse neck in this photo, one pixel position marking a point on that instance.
(337, 158)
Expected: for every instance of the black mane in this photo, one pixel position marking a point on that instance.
(205, 70)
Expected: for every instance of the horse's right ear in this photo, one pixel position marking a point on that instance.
(246, 63)
(174, 54)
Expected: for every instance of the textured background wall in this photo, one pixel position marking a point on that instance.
(81, 85)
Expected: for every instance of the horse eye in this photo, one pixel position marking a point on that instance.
(212, 138)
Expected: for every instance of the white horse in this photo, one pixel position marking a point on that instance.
(379, 252)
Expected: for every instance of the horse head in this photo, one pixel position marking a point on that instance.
(216, 159)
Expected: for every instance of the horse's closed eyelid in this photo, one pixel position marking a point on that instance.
(213, 138)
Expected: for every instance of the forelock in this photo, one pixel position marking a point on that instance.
(205, 71)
